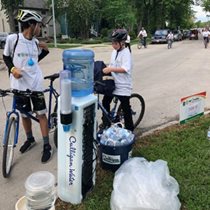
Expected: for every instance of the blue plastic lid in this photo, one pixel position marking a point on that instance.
(78, 54)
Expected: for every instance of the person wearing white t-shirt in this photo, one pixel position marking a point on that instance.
(206, 35)
(127, 42)
(121, 69)
(170, 39)
(143, 35)
(22, 53)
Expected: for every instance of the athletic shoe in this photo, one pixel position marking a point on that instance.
(28, 144)
(47, 153)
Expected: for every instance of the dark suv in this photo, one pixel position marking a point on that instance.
(3, 37)
(160, 36)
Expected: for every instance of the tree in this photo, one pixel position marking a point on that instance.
(206, 5)
(80, 15)
(10, 9)
(119, 13)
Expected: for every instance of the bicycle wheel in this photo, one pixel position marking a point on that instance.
(139, 45)
(137, 108)
(8, 147)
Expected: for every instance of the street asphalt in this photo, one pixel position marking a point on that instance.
(160, 75)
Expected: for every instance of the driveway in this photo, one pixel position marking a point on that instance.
(160, 75)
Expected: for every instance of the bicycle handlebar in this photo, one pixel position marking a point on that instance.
(16, 92)
(27, 92)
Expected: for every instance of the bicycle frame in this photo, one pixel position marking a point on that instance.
(52, 92)
(113, 113)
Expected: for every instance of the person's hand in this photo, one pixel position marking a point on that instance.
(107, 70)
(43, 45)
(16, 73)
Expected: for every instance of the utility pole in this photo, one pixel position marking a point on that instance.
(54, 26)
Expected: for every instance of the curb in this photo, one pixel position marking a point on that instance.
(176, 122)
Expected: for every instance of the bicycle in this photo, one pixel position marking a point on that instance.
(116, 114)
(11, 131)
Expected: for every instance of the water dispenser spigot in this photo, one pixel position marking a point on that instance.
(65, 97)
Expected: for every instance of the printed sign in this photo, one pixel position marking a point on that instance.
(191, 107)
(111, 159)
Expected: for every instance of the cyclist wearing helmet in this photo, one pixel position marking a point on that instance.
(121, 68)
(143, 35)
(21, 54)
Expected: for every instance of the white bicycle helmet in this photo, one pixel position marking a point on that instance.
(27, 15)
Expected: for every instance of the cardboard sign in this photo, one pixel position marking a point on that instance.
(191, 107)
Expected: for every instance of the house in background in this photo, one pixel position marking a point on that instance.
(43, 9)
(4, 25)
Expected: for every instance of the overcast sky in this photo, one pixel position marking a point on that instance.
(200, 14)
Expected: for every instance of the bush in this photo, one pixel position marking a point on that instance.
(104, 32)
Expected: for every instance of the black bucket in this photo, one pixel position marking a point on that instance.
(112, 157)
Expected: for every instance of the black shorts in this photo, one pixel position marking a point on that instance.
(23, 104)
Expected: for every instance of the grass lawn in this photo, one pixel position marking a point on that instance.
(187, 151)
(64, 46)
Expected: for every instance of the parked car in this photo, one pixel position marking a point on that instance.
(186, 34)
(160, 36)
(193, 34)
(3, 37)
(178, 36)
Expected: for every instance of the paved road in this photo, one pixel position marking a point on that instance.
(160, 75)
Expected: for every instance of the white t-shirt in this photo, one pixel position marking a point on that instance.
(170, 36)
(128, 39)
(143, 33)
(32, 77)
(123, 81)
(206, 33)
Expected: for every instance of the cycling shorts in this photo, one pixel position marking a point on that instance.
(23, 104)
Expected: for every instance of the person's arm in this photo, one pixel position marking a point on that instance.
(7, 57)
(108, 70)
(44, 50)
(8, 62)
(11, 68)
(43, 54)
(140, 33)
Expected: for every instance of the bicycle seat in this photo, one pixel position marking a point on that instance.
(52, 77)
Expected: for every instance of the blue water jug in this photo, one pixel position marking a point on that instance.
(81, 64)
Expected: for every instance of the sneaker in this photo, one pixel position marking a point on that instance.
(47, 153)
(28, 144)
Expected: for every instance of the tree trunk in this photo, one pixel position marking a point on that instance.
(11, 21)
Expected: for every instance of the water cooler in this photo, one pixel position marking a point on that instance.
(76, 126)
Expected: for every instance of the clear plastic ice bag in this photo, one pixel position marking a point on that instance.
(143, 185)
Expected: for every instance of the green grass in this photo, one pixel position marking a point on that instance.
(187, 151)
(64, 46)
